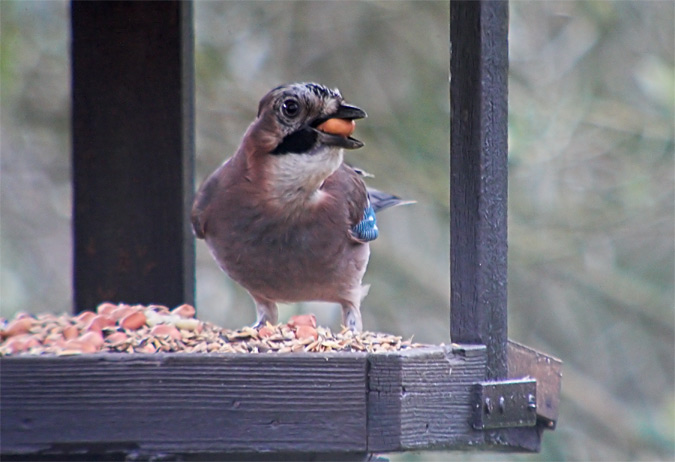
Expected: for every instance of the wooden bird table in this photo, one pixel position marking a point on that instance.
(133, 154)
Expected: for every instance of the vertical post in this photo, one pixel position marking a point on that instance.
(133, 149)
(478, 180)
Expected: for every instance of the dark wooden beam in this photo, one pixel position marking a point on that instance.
(133, 148)
(478, 177)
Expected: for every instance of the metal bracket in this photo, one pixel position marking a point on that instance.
(509, 403)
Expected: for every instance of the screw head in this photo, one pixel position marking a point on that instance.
(531, 402)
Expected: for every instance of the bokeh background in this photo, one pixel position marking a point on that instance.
(591, 194)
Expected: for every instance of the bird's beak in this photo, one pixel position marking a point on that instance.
(336, 129)
(347, 112)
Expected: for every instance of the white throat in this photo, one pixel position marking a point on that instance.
(295, 179)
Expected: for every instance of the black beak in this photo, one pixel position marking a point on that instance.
(345, 111)
(346, 142)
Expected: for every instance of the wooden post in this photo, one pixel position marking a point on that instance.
(133, 149)
(478, 180)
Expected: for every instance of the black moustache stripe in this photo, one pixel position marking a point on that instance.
(298, 142)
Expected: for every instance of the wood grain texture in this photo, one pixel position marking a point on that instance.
(173, 403)
(423, 398)
(133, 152)
(478, 177)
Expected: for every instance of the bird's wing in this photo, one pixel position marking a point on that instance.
(350, 197)
(366, 229)
(379, 200)
(203, 200)
(362, 203)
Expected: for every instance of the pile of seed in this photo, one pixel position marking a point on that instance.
(154, 328)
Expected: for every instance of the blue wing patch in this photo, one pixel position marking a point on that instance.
(366, 230)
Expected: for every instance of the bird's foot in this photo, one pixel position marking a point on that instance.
(266, 311)
(351, 318)
(258, 324)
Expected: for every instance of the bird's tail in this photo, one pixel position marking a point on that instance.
(380, 200)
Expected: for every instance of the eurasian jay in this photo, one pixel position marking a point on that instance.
(285, 217)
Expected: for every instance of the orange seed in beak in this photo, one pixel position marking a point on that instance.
(342, 127)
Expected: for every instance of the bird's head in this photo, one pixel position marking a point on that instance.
(299, 135)
(303, 117)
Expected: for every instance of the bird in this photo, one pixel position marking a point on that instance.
(285, 216)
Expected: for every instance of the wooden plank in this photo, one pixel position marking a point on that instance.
(421, 399)
(524, 361)
(133, 147)
(184, 403)
(478, 180)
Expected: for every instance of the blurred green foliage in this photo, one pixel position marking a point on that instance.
(591, 196)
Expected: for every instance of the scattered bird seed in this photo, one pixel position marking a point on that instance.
(148, 329)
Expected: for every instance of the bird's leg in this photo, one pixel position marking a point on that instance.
(266, 311)
(351, 317)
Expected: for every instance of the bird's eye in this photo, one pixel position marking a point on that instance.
(290, 108)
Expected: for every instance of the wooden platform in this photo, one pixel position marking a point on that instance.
(301, 405)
